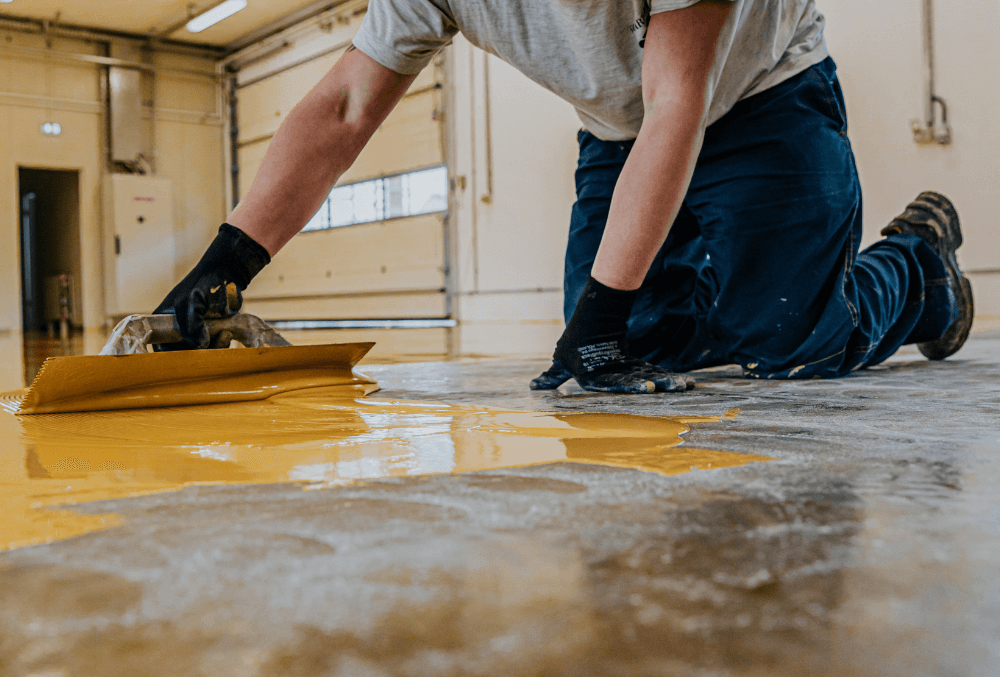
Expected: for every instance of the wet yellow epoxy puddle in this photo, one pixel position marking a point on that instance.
(318, 436)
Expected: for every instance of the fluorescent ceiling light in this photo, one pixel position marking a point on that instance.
(6, 0)
(215, 15)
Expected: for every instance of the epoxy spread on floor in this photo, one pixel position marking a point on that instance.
(318, 436)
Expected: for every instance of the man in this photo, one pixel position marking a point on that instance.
(718, 212)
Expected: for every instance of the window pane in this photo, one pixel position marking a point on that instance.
(427, 191)
(341, 206)
(356, 203)
(321, 219)
(420, 192)
(395, 188)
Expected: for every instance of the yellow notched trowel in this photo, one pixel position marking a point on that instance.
(126, 376)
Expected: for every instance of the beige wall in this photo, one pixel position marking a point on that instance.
(32, 91)
(188, 143)
(36, 87)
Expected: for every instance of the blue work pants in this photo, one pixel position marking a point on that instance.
(761, 267)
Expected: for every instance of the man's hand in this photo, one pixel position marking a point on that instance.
(593, 349)
(214, 288)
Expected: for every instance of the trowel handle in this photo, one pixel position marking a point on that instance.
(162, 329)
(249, 330)
(135, 332)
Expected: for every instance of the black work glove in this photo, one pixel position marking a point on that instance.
(214, 288)
(593, 349)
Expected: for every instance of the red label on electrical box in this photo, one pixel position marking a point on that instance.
(144, 199)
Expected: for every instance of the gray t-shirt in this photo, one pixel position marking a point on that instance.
(589, 52)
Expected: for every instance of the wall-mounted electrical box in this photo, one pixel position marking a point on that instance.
(139, 243)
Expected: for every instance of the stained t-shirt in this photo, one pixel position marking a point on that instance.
(589, 52)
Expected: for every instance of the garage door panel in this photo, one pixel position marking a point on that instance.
(428, 77)
(401, 254)
(409, 138)
(384, 269)
(250, 157)
(349, 306)
(262, 106)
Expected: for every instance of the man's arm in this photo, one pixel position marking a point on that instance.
(318, 141)
(678, 56)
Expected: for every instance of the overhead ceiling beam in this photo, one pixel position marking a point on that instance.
(39, 26)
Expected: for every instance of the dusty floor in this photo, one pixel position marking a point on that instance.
(869, 545)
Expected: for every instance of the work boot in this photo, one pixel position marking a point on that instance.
(932, 218)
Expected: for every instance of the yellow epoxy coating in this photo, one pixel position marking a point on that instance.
(318, 436)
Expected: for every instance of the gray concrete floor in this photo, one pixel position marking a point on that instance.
(870, 546)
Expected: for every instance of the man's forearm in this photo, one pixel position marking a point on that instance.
(314, 146)
(649, 194)
(310, 151)
(679, 54)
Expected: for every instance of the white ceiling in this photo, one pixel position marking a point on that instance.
(150, 16)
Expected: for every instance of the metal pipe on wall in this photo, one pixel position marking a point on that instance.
(927, 11)
(929, 130)
(234, 138)
(487, 197)
(102, 60)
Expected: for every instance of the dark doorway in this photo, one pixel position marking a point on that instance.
(50, 247)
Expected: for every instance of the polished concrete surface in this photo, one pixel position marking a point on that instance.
(867, 545)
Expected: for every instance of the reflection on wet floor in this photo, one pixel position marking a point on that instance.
(38, 347)
(871, 549)
(318, 436)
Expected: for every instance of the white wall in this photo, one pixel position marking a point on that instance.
(878, 50)
(508, 244)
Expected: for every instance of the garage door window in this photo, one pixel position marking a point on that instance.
(423, 191)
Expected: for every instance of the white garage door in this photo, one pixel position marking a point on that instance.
(376, 249)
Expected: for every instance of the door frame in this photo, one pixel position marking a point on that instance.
(79, 172)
